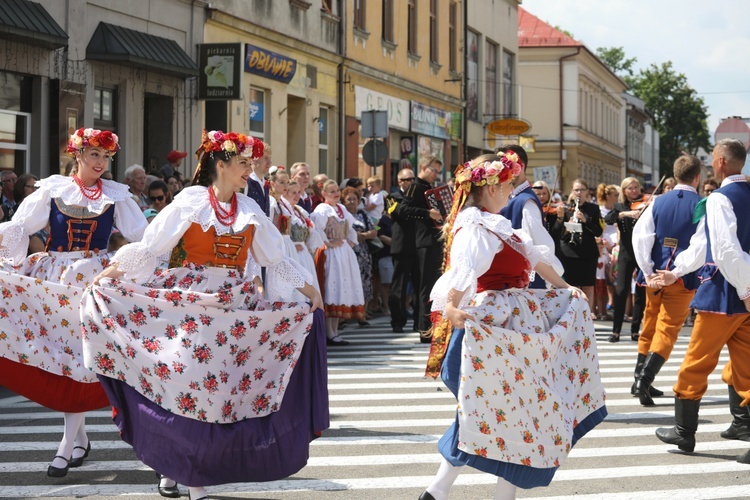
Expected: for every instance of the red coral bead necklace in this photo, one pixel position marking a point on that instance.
(93, 193)
(225, 217)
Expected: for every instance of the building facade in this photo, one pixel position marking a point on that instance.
(403, 58)
(491, 72)
(289, 85)
(97, 63)
(575, 104)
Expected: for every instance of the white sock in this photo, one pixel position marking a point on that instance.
(504, 490)
(73, 422)
(332, 327)
(82, 440)
(165, 482)
(444, 479)
(197, 492)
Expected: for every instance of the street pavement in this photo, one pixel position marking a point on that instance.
(386, 419)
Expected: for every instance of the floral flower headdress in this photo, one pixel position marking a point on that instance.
(230, 142)
(91, 137)
(506, 167)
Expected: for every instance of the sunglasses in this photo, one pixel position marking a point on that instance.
(156, 198)
(408, 179)
(536, 188)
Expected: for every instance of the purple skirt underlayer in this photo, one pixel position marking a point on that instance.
(269, 448)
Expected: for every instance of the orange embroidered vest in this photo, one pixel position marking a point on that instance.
(208, 249)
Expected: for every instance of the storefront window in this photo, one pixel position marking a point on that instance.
(15, 130)
(490, 94)
(509, 95)
(472, 61)
(104, 105)
(258, 113)
(323, 140)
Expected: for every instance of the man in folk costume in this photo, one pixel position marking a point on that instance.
(524, 210)
(663, 232)
(257, 186)
(300, 172)
(722, 300)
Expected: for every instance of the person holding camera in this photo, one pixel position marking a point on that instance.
(579, 252)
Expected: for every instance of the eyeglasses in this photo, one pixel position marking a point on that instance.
(407, 179)
(156, 198)
(10, 180)
(434, 170)
(29, 186)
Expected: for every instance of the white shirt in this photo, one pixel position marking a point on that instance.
(644, 235)
(531, 222)
(732, 261)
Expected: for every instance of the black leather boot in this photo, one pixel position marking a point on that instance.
(637, 373)
(744, 458)
(740, 426)
(686, 423)
(651, 368)
(652, 391)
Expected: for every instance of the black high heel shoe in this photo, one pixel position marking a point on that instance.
(77, 462)
(614, 337)
(426, 496)
(167, 491)
(53, 471)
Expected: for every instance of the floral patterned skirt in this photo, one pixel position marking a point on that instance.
(40, 330)
(198, 342)
(526, 375)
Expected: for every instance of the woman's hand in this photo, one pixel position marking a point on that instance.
(457, 316)
(334, 244)
(309, 291)
(299, 247)
(258, 285)
(111, 272)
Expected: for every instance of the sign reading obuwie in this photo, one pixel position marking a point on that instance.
(269, 64)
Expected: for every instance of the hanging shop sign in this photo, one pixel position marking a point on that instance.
(269, 64)
(508, 127)
(431, 121)
(219, 75)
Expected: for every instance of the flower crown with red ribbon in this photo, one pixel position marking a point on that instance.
(215, 141)
(489, 173)
(91, 137)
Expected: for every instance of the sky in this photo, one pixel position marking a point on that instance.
(707, 41)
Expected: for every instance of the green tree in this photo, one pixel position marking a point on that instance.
(614, 57)
(680, 114)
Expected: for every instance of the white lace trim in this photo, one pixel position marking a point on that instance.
(15, 242)
(67, 190)
(492, 222)
(136, 261)
(284, 278)
(195, 207)
(460, 277)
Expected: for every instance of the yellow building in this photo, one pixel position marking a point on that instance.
(288, 91)
(405, 58)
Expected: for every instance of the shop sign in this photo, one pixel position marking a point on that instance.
(431, 121)
(508, 127)
(370, 100)
(219, 75)
(269, 64)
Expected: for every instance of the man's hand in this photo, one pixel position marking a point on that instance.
(653, 281)
(435, 214)
(666, 278)
(747, 304)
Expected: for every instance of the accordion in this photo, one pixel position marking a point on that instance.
(441, 199)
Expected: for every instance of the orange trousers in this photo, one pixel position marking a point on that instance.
(663, 318)
(711, 333)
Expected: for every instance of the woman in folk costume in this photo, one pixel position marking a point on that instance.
(195, 362)
(336, 262)
(522, 362)
(40, 345)
(303, 233)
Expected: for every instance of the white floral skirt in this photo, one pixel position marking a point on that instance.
(199, 342)
(529, 375)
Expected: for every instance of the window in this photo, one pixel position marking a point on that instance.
(359, 14)
(452, 37)
(323, 130)
(490, 78)
(388, 20)
(412, 27)
(327, 7)
(15, 139)
(104, 105)
(509, 84)
(472, 70)
(433, 31)
(258, 113)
